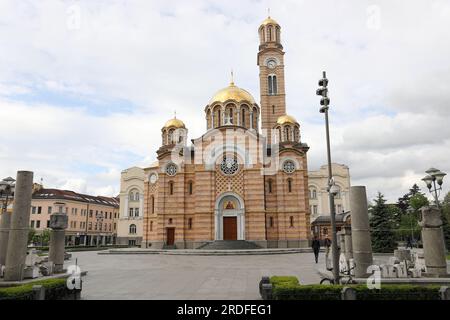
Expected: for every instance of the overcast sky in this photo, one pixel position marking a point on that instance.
(85, 86)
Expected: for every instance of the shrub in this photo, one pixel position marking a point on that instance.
(25, 291)
(276, 280)
(289, 290)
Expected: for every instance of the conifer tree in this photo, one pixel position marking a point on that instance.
(381, 226)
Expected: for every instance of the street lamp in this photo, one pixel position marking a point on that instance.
(434, 176)
(7, 187)
(332, 188)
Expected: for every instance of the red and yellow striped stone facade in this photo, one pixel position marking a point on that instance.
(234, 171)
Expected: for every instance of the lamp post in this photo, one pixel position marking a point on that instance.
(434, 175)
(332, 188)
(7, 186)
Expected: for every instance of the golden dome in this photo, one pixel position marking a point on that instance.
(177, 123)
(269, 20)
(232, 93)
(286, 119)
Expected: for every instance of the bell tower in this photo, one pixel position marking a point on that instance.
(271, 74)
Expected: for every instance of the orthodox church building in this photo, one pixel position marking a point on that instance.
(245, 178)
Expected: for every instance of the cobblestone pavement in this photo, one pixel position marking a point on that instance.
(187, 277)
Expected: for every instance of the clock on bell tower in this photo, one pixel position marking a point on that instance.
(271, 74)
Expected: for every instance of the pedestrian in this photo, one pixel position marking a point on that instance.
(409, 243)
(316, 248)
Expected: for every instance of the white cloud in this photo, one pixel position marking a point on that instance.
(388, 85)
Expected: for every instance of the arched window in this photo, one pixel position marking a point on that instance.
(190, 223)
(313, 193)
(190, 187)
(152, 204)
(136, 196)
(243, 118)
(151, 225)
(208, 119)
(289, 183)
(273, 109)
(287, 133)
(131, 196)
(291, 221)
(271, 222)
(170, 220)
(269, 31)
(171, 187)
(272, 82)
(171, 141)
(270, 185)
(277, 34)
(132, 229)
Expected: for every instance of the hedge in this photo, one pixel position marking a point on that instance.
(289, 290)
(25, 291)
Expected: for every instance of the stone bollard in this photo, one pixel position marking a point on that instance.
(38, 292)
(264, 280)
(361, 243)
(444, 293)
(433, 242)
(18, 233)
(5, 224)
(348, 243)
(58, 224)
(348, 293)
(267, 291)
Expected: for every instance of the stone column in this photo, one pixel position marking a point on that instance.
(18, 234)
(433, 241)
(58, 224)
(348, 243)
(361, 243)
(341, 241)
(5, 224)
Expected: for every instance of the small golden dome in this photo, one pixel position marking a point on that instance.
(286, 119)
(269, 20)
(177, 123)
(232, 92)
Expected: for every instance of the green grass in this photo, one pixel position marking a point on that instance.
(27, 289)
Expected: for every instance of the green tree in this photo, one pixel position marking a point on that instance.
(418, 201)
(31, 235)
(446, 219)
(381, 226)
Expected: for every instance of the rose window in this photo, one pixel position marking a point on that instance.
(171, 169)
(229, 166)
(289, 166)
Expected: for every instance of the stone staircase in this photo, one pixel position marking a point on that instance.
(229, 245)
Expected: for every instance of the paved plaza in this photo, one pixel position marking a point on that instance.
(150, 276)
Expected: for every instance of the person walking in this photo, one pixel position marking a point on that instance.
(316, 248)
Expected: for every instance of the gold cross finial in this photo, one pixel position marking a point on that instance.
(175, 114)
(268, 12)
(232, 77)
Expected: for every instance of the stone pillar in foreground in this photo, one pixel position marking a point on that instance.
(58, 224)
(361, 243)
(433, 242)
(5, 224)
(18, 233)
(348, 243)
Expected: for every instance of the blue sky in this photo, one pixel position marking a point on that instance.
(87, 85)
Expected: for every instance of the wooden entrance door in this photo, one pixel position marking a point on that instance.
(229, 228)
(170, 236)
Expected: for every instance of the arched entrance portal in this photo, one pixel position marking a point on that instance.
(229, 217)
